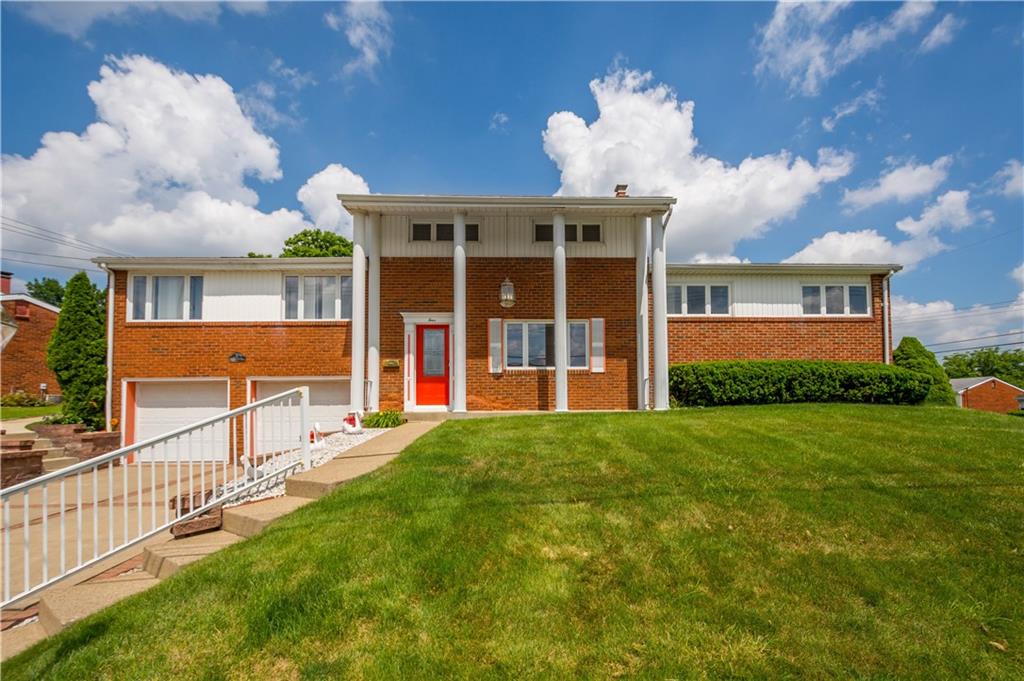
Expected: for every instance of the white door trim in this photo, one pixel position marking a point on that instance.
(412, 319)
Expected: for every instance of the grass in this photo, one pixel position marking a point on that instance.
(785, 541)
(10, 413)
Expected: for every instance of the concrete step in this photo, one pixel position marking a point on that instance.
(61, 607)
(51, 452)
(13, 641)
(163, 560)
(58, 462)
(42, 443)
(7, 438)
(251, 519)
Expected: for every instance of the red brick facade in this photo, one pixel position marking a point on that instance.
(845, 339)
(595, 287)
(24, 358)
(993, 395)
(201, 349)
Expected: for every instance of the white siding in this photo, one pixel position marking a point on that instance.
(769, 295)
(242, 296)
(508, 237)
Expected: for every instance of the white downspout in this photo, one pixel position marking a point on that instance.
(886, 331)
(107, 398)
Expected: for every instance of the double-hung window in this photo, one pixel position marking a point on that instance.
(317, 297)
(835, 299)
(531, 345)
(166, 297)
(698, 299)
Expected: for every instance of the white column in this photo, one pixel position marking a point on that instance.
(358, 310)
(643, 374)
(373, 240)
(659, 285)
(561, 321)
(459, 314)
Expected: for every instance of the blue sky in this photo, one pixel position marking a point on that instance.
(870, 132)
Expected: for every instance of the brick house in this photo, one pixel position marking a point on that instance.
(23, 357)
(468, 303)
(987, 393)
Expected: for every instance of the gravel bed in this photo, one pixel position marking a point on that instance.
(333, 445)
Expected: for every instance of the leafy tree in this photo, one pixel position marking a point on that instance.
(316, 243)
(77, 353)
(911, 354)
(47, 289)
(253, 254)
(1007, 365)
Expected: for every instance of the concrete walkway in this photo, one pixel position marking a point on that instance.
(130, 572)
(13, 426)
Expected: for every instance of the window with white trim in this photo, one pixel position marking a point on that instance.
(317, 296)
(699, 299)
(589, 232)
(531, 345)
(166, 297)
(835, 299)
(442, 231)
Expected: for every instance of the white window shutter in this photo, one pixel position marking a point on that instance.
(494, 343)
(597, 345)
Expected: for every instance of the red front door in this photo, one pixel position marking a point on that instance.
(431, 365)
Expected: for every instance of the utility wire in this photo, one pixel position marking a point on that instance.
(965, 312)
(978, 347)
(47, 264)
(964, 340)
(62, 235)
(17, 229)
(46, 255)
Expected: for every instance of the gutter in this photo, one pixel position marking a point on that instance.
(886, 320)
(108, 398)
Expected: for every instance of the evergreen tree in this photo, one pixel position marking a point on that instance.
(911, 354)
(77, 353)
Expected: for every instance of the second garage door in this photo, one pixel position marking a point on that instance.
(163, 406)
(328, 398)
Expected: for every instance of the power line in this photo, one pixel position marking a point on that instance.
(47, 264)
(979, 347)
(62, 235)
(964, 340)
(981, 241)
(46, 255)
(963, 312)
(53, 240)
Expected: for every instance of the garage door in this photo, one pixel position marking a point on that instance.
(328, 399)
(163, 406)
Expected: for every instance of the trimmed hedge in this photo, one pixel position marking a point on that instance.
(911, 354)
(706, 384)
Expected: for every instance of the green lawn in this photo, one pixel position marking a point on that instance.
(792, 541)
(9, 413)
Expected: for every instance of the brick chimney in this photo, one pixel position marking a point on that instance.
(621, 190)
(5, 282)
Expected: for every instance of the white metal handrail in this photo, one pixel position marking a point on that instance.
(191, 469)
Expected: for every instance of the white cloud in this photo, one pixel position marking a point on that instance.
(799, 43)
(162, 170)
(868, 99)
(1018, 274)
(319, 197)
(274, 102)
(74, 19)
(940, 321)
(949, 211)
(643, 136)
(1012, 179)
(367, 27)
(903, 183)
(942, 33)
(499, 122)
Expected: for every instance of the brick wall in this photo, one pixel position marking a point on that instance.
(201, 349)
(847, 339)
(595, 288)
(992, 396)
(24, 358)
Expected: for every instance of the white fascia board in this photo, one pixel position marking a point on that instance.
(379, 202)
(29, 299)
(783, 268)
(226, 264)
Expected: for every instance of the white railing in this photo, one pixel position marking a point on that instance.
(65, 521)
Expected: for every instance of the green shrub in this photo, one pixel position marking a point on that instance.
(20, 398)
(77, 354)
(707, 384)
(911, 354)
(383, 419)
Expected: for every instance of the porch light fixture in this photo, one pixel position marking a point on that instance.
(507, 298)
(236, 357)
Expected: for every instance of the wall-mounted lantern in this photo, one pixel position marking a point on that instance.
(507, 298)
(236, 357)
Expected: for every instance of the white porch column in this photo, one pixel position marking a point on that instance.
(660, 312)
(459, 314)
(358, 310)
(561, 321)
(643, 373)
(373, 240)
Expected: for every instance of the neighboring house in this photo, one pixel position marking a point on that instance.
(469, 303)
(23, 357)
(987, 393)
